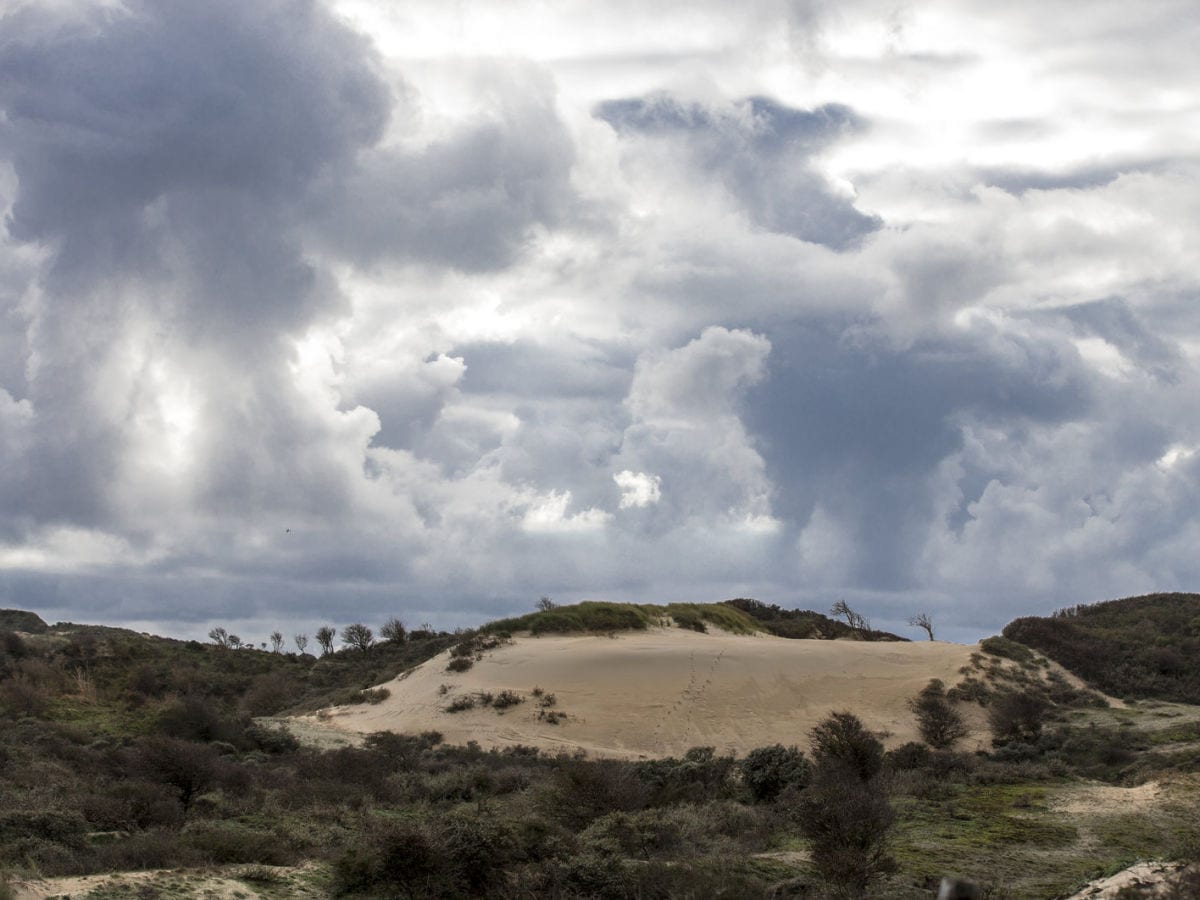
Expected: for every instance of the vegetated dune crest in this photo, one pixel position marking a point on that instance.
(662, 691)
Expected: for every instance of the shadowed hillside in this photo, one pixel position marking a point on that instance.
(1139, 647)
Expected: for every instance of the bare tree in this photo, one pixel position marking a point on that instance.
(301, 642)
(393, 631)
(857, 621)
(545, 604)
(325, 636)
(358, 636)
(276, 641)
(219, 636)
(923, 620)
(234, 641)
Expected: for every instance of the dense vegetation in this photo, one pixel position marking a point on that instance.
(595, 616)
(1138, 647)
(122, 751)
(804, 623)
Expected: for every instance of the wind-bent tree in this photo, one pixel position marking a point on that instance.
(325, 636)
(857, 621)
(219, 636)
(923, 620)
(301, 642)
(358, 636)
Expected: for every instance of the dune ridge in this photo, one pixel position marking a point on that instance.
(665, 690)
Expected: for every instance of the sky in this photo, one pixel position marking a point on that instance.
(317, 312)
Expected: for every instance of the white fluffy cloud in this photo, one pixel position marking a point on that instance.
(338, 309)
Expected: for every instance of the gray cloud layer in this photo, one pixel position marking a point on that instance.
(316, 313)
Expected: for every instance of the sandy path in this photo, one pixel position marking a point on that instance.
(666, 690)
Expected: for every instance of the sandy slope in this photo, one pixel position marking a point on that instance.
(666, 690)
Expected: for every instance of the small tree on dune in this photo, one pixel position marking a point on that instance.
(276, 641)
(301, 642)
(923, 621)
(844, 813)
(325, 637)
(358, 636)
(393, 631)
(940, 723)
(855, 619)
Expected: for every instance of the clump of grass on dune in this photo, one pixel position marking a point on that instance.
(696, 615)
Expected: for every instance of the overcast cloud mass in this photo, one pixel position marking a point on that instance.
(317, 311)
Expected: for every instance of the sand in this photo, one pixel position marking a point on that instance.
(1150, 877)
(663, 691)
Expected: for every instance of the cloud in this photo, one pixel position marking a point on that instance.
(761, 151)
(638, 489)
(328, 310)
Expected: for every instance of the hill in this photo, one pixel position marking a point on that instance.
(1144, 647)
(659, 690)
(134, 765)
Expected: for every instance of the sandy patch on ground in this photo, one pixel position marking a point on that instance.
(665, 690)
(208, 884)
(1106, 800)
(1148, 875)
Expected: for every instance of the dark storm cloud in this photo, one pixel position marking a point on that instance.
(165, 101)
(466, 201)
(760, 150)
(158, 151)
(859, 427)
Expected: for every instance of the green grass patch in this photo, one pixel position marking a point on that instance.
(601, 617)
(589, 616)
(727, 618)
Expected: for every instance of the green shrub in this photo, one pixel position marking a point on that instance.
(1017, 716)
(842, 739)
(505, 699)
(221, 843)
(940, 724)
(1007, 649)
(768, 771)
(460, 704)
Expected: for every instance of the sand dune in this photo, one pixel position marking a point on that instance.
(663, 691)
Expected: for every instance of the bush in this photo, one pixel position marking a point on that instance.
(1017, 716)
(396, 856)
(842, 738)
(505, 699)
(939, 723)
(578, 792)
(477, 848)
(1008, 649)
(460, 704)
(845, 814)
(699, 775)
(768, 771)
(459, 664)
(848, 824)
(222, 843)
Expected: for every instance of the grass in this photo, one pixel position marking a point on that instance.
(604, 618)
(1012, 837)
